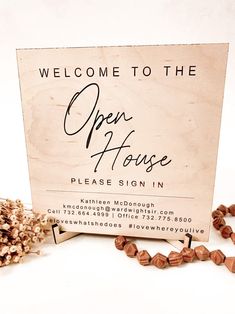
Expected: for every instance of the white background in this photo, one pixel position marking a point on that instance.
(87, 274)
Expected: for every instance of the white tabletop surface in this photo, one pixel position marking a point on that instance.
(87, 274)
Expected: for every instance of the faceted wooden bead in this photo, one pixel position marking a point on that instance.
(143, 257)
(218, 222)
(159, 260)
(232, 236)
(230, 263)
(120, 241)
(217, 213)
(223, 209)
(188, 254)
(226, 231)
(231, 209)
(202, 252)
(175, 258)
(217, 257)
(130, 249)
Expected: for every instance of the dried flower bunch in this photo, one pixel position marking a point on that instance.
(20, 230)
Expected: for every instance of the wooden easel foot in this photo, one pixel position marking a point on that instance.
(61, 236)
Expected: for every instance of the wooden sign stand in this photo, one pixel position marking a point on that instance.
(68, 122)
(61, 236)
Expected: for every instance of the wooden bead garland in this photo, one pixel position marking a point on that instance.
(220, 224)
(186, 255)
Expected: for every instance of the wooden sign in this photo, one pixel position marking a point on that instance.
(124, 140)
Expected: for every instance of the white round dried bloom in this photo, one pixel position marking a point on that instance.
(27, 248)
(15, 223)
(25, 221)
(8, 257)
(24, 228)
(6, 226)
(22, 234)
(41, 234)
(16, 259)
(44, 220)
(15, 211)
(13, 217)
(13, 248)
(21, 227)
(25, 242)
(14, 233)
(4, 249)
(37, 229)
(4, 239)
(19, 248)
(34, 239)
